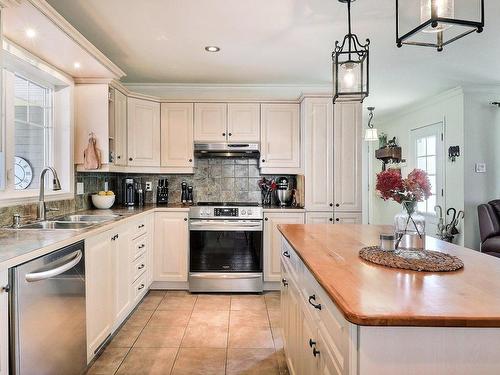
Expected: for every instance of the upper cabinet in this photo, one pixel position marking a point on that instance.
(280, 139)
(243, 122)
(210, 121)
(177, 135)
(143, 135)
(347, 157)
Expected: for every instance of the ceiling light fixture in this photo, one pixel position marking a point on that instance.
(212, 49)
(30, 33)
(77, 65)
(439, 22)
(371, 133)
(350, 66)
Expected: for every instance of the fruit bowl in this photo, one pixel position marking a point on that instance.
(103, 202)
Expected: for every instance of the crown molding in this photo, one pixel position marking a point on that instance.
(75, 35)
(9, 3)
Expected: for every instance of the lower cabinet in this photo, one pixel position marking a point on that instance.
(348, 217)
(272, 241)
(319, 217)
(171, 246)
(4, 320)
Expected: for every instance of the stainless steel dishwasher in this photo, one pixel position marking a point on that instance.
(47, 314)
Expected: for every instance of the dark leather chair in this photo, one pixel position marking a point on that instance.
(489, 227)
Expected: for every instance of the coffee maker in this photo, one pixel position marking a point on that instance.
(129, 192)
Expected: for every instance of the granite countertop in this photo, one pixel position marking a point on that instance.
(20, 245)
(368, 294)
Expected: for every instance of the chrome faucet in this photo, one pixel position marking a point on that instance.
(56, 185)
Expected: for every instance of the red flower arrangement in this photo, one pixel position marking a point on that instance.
(415, 188)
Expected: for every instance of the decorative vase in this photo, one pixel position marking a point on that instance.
(409, 227)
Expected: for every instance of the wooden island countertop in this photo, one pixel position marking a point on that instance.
(372, 295)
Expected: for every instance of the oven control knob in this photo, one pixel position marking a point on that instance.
(243, 212)
(249, 212)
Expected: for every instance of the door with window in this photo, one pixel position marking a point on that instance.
(426, 150)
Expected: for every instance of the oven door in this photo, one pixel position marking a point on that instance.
(230, 246)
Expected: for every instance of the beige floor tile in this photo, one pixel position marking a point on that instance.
(205, 336)
(108, 362)
(212, 302)
(150, 361)
(280, 355)
(150, 302)
(275, 318)
(277, 337)
(250, 337)
(159, 293)
(126, 336)
(177, 302)
(249, 318)
(212, 318)
(139, 318)
(160, 337)
(252, 362)
(168, 318)
(200, 362)
(272, 300)
(179, 293)
(248, 302)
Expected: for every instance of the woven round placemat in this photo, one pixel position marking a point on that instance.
(415, 260)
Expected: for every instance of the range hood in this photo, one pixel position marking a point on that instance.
(227, 150)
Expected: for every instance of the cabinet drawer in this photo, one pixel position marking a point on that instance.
(140, 227)
(291, 259)
(139, 288)
(139, 266)
(139, 246)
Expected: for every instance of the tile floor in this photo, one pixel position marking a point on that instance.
(176, 333)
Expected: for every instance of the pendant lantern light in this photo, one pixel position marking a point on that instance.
(371, 133)
(437, 23)
(350, 66)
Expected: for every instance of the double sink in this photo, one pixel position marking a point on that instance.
(70, 222)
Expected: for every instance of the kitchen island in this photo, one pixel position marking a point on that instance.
(344, 315)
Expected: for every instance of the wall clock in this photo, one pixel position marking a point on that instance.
(23, 173)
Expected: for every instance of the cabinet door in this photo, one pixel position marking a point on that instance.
(348, 217)
(309, 346)
(171, 246)
(210, 122)
(100, 270)
(328, 363)
(347, 159)
(318, 123)
(120, 121)
(319, 218)
(280, 137)
(143, 133)
(121, 254)
(284, 305)
(272, 241)
(293, 352)
(4, 321)
(177, 135)
(243, 122)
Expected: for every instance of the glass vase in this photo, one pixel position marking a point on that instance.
(409, 227)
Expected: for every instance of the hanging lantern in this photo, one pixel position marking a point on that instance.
(350, 66)
(371, 133)
(437, 23)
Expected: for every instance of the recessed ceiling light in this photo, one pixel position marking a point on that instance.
(77, 65)
(30, 33)
(212, 49)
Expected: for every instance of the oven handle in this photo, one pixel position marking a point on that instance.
(226, 226)
(215, 275)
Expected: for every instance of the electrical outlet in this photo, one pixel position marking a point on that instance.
(149, 186)
(79, 188)
(480, 167)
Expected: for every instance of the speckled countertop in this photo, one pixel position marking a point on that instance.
(22, 245)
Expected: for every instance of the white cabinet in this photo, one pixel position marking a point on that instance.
(210, 121)
(100, 291)
(171, 246)
(243, 122)
(119, 125)
(347, 159)
(4, 321)
(319, 217)
(317, 115)
(177, 135)
(280, 138)
(143, 135)
(348, 217)
(272, 241)
(120, 249)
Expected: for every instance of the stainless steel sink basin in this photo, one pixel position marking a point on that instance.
(49, 224)
(87, 218)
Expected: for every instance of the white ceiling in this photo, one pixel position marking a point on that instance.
(277, 42)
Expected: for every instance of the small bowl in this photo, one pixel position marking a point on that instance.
(103, 202)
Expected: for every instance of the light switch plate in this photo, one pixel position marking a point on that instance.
(79, 188)
(149, 186)
(480, 167)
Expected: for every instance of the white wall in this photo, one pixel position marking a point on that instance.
(448, 108)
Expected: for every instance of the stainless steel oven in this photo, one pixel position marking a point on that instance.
(226, 248)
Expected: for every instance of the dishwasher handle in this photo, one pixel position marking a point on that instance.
(38, 276)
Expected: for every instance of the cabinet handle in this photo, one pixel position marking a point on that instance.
(118, 157)
(331, 219)
(316, 305)
(141, 267)
(286, 253)
(190, 160)
(141, 246)
(315, 352)
(140, 226)
(331, 204)
(114, 237)
(230, 134)
(263, 160)
(337, 205)
(285, 283)
(266, 219)
(141, 287)
(130, 159)
(6, 288)
(223, 134)
(337, 219)
(185, 219)
(312, 343)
